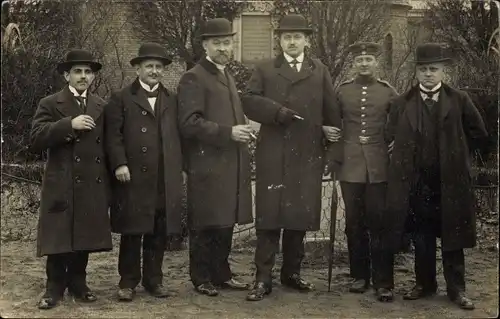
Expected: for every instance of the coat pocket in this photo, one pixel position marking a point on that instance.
(59, 206)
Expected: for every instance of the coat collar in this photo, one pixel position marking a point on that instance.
(67, 104)
(212, 68)
(285, 70)
(140, 98)
(411, 99)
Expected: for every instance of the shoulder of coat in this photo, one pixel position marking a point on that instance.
(346, 82)
(387, 84)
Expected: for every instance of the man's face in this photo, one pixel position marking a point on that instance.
(365, 64)
(150, 71)
(429, 75)
(80, 76)
(293, 43)
(219, 49)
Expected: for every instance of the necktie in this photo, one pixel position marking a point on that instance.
(152, 94)
(81, 100)
(294, 64)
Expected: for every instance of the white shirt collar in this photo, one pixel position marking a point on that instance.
(300, 58)
(219, 66)
(147, 88)
(75, 92)
(437, 87)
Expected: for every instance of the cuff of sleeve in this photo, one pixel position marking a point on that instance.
(225, 132)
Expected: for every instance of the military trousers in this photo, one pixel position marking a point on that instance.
(368, 256)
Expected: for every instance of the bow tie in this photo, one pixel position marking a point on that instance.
(429, 94)
(151, 94)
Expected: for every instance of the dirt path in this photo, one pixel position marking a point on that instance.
(22, 282)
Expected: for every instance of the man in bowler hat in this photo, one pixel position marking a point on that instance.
(144, 152)
(293, 98)
(215, 139)
(434, 127)
(74, 203)
(364, 102)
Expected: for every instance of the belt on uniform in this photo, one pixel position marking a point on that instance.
(365, 140)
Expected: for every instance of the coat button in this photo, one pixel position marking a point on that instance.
(68, 138)
(363, 100)
(363, 107)
(98, 140)
(364, 123)
(98, 160)
(144, 169)
(144, 149)
(77, 140)
(363, 131)
(77, 179)
(77, 159)
(143, 130)
(98, 180)
(363, 92)
(365, 87)
(363, 115)
(144, 113)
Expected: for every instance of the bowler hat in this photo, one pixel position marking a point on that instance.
(362, 48)
(151, 51)
(293, 23)
(430, 53)
(218, 27)
(78, 56)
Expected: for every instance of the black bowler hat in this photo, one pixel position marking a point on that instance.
(78, 56)
(218, 27)
(293, 23)
(431, 53)
(362, 48)
(151, 51)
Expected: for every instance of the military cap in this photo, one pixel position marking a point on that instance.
(362, 48)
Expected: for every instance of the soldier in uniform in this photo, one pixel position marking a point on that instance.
(364, 103)
(293, 98)
(75, 190)
(215, 139)
(144, 152)
(434, 128)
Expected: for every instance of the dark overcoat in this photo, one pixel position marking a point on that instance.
(218, 168)
(290, 160)
(459, 122)
(132, 139)
(365, 110)
(75, 188)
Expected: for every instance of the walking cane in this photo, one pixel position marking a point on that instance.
(333, 222)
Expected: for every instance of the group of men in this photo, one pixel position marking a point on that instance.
(129, 154)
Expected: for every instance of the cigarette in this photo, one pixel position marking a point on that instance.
(253, 136)
(298, 117)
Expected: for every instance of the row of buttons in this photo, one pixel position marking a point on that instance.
(363, 114)
(78, 180)
(97, 159)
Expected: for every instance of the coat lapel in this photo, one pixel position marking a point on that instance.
(285, 70)
(139, 97)
(95, 106)
(210, 67)
(445, 101)
(67, 104)
(411, 108)
(235, 100)
(163, 99)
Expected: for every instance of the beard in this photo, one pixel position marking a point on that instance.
(221, 58)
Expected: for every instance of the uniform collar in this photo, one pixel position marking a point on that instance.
(147, 88)
(75, 92)
(365, 80)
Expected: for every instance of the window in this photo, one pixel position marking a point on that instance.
(256, 38)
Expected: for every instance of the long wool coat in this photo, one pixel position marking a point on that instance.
(218, 168)
(75, 188)
(132, 138)
(290, 160)
(460, 128)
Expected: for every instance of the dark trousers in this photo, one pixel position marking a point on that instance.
(67, 270)
(153, 249)
(425, 222)
(208, 255)
(368, 257)
(268, 247)
(425, 265)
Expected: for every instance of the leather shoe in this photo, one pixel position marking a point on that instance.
(258, 291)
(463, 302)
(207, 289)
(359, 286)
(296, 282)
(157, 291)
(48, 302)
(126, 294)
(418, 292)
(87, 296)
(384, 295)
(234, 284)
